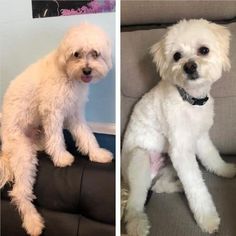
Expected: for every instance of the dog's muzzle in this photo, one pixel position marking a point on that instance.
(86, 77)
(87, 70)
(190, 68)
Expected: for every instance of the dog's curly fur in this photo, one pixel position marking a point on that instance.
(48, 96)
(163, 122)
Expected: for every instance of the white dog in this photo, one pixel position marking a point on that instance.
(47, 96)
(175, 117)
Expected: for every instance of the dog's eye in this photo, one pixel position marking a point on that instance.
(77, 54)
(203, 50)
(177, 56)
(95, 54)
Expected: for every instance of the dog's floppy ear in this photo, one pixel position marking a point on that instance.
(61, 57)
(108, 53)
(63, 54)
(157, 51)
(223, 36)
(64, 51)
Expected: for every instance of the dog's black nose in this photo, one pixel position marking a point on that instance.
(87, 70)
(190, 67)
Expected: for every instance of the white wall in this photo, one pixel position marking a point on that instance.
(23, 40)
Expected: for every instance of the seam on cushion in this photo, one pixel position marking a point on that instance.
(149, 26)
(78, 225)
(123, 90)
(138, 97)
(84, 213)
(132, 97)
(81, 184)
(127, 96)
(233, 96)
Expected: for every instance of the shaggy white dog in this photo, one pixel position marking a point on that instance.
(175, 117)
(47, 96)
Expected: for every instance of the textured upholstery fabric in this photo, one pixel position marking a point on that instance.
(138, 75)
(170, 214)
(141, 12)
(76, 200)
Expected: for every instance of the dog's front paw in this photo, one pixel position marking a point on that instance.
(65, 159)
(101, 155)
(209, 223)
(138, 225)
(227, 171)
(33, 224)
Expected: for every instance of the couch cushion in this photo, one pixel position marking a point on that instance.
(152, 12)
(86, 188)
(56, 223)
(172, 209)
(138, 75)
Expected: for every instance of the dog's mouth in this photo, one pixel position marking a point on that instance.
(193, 76)
(86, 78)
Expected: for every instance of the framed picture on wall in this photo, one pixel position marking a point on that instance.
(49, 8)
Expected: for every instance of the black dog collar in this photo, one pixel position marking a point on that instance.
(192, 100)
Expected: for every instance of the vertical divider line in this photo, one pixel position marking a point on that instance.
(117, 120)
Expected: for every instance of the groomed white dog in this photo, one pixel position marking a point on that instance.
(175, 117)
(48, 96)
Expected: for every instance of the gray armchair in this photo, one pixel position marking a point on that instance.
(143, 24)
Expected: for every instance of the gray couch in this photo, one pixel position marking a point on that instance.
(143, 24)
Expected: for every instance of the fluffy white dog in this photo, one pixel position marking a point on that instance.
(175, 117)
(47, 96)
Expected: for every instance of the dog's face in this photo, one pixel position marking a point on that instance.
(193, 53)
(85, 53)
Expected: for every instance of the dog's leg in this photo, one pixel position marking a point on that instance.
(54, 140)
(200, 201)
(86, 141)
(210, 158)
(23, 161)
(139, 178)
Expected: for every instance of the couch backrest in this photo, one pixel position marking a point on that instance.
(139, 12)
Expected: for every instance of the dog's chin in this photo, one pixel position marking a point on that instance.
(198, 87)
(195, 81)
